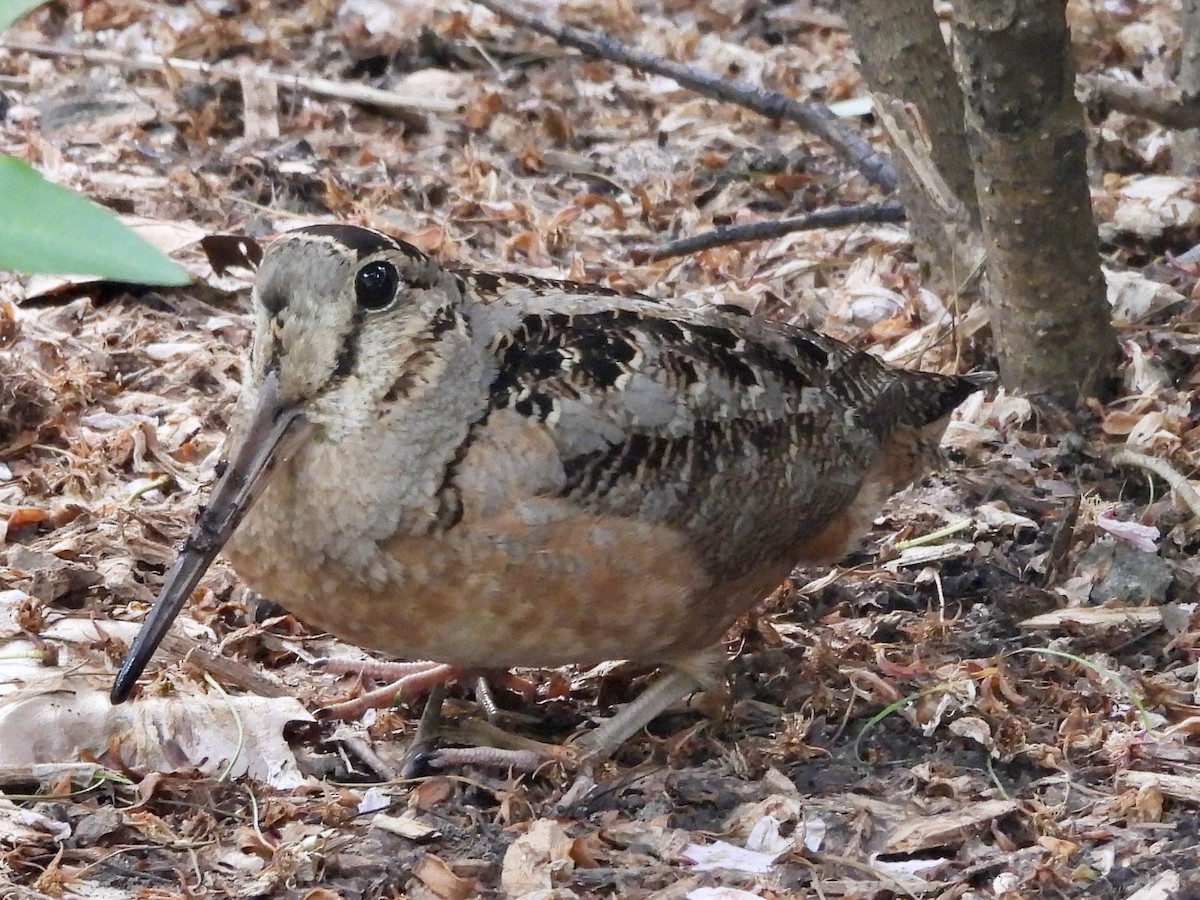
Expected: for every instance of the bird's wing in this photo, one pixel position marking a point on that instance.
(740, 432)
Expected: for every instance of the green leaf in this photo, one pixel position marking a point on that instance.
(50, 230)
(11, 10)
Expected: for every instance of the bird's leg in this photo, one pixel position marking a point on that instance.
(419, 750)
(411, 679)
(520, 754)
(486, 699)
(684, 677)
(494, 748)
(667, 690)
(408, 679)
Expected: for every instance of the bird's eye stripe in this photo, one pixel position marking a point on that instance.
(348, 355)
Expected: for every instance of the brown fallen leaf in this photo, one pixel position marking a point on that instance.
(433, 872)
(945, 829)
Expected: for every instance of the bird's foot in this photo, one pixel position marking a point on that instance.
(488, 746)
(407, 680)
(494, 747)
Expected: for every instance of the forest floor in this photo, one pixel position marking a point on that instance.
(997, 696)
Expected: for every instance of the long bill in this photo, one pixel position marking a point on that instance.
(276, 431)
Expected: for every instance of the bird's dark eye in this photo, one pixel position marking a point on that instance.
(375, 285)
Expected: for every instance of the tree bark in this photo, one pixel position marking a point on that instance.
(1050, 315)
(1185, 147)
(910, 73)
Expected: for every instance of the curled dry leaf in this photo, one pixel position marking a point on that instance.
(537, 860)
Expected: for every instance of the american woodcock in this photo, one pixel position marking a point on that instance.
(494, 470)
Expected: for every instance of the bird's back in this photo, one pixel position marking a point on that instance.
(750, 437)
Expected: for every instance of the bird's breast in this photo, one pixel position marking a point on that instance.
(538, 585)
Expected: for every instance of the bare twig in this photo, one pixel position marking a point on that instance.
(16, 891)
(226, 668)
(1180, 113)
(403, 104)
(815, 117)
(890, 211)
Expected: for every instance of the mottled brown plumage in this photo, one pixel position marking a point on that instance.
(496, 470)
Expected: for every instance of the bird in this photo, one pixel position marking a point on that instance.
(477, 470)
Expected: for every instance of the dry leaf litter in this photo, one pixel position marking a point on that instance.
(996, 697)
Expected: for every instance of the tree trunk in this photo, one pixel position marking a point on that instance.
(911, 75)
(1050, 316)
(1185, 145)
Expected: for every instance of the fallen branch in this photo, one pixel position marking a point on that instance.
(1160, 467)
(815, 117)
(1144, 102)
(403, 104)
(890, 211)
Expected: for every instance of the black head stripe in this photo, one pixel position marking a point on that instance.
(348, 356)
(363, 241)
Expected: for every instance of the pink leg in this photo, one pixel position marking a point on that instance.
(409, 679)
(490, 758)
(412, 679)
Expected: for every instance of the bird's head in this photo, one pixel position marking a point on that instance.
(346, 319)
